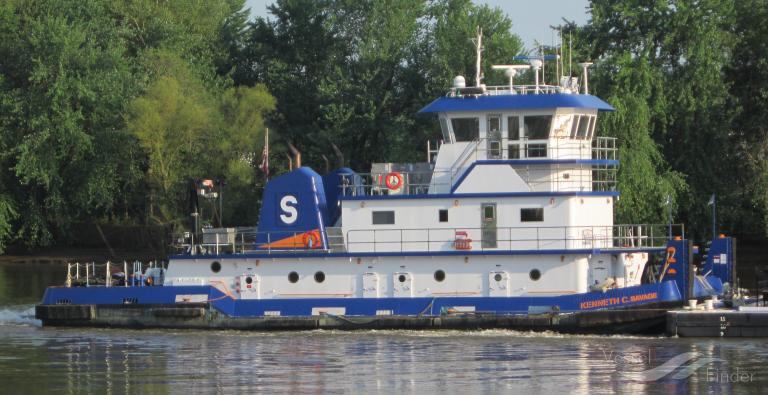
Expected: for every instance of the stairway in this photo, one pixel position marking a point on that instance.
(335, 239)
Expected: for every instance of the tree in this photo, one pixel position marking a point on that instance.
(677, 51)
(64, 79)
(188, 132)
(748, 77)
(68, 69)
(355, 73)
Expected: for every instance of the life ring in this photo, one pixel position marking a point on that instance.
(311, 239)
(394, 181)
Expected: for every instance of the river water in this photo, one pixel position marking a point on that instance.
(48, 360)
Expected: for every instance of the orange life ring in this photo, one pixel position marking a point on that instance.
(394, 181)
(311, 239)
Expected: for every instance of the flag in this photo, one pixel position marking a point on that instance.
(264, 166)
(711, 200)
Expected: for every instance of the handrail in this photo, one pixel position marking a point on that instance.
(461, 160)
(516, 90)
(125, 274)
(623, 236)
(608, 237)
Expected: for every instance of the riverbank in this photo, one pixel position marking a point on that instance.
(63, 255)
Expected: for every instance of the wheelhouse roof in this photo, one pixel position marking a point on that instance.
(515, 102)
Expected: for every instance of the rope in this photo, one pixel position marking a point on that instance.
(429, 306)
(226, 291)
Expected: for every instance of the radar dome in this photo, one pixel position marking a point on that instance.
(459, 82)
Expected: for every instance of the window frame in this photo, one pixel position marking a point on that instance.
(440, 213)
(379, 213)
(453, 129)
(538, 214)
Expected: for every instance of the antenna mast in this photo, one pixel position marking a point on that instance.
(479, 48)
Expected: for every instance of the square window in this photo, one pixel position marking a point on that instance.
(537, 126)
(536, 150)
(383, 217)
(531, 214)
(466, 129)
(443, 214)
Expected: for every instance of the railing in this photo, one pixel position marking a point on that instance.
(615, 237)
(603, 148)
(249, 240)
(516, 90)
(556, 177)
(115, 274)
(449, 239)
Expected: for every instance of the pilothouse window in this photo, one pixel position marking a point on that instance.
(513, 124)
(444, 129)
(583, 127)
(466, 129)
(537, 126)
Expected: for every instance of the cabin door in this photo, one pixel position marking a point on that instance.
(370, 285)
(402, 285)
(248, 286)
(494, 137)
(488, 227)
(498, 283)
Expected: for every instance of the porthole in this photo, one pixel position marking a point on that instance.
(439, 275)
(319, 277)
(293, 277)
(497, 277)
(249, 280)
(401, 278)
(215, 266)
(535, 274)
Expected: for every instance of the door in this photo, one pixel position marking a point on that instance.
(370, 285)
(498, 283)
(488, 221)
(248, 286)
(402, 285)
(494, 137)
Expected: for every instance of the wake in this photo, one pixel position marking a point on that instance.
(18, 315)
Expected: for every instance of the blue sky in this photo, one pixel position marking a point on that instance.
(530, 19)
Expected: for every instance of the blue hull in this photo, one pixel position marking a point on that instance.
(612, 299)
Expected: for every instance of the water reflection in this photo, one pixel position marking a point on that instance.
(35, 359)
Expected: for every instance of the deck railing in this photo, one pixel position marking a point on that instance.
(115, 274)
(447, 239)
(516, 90)
(554, 177)
(512, 238)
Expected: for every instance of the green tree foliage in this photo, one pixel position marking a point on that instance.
(68, 70)
(748, 75)
(673, 56)
(356, 72)
(644, 178)
(64, 82)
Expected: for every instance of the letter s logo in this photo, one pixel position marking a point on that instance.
(290, 214)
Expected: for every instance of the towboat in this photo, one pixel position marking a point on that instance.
(507, 224)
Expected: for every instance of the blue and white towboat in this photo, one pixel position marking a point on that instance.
(508, 224)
